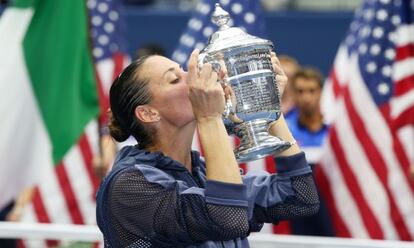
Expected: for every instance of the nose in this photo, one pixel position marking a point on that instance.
(184, 75)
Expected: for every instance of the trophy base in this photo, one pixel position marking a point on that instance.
(256, 142)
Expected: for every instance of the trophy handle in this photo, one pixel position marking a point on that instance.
(228, 108)
(230, 105)
(202, 58)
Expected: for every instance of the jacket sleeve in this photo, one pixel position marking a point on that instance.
(151, 205)
(288, 194)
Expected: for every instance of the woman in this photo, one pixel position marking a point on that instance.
(161, 194)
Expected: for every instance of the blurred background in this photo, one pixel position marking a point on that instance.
(308, 30)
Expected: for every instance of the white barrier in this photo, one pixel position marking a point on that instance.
(259, 240)
(87, 233)
(38, 231)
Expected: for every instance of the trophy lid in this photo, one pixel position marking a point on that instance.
(229, 37)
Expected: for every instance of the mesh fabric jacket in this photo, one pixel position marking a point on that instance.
(150, 200)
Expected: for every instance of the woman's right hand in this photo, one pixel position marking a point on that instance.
(205, 93)
(281, 78)
(207, 98)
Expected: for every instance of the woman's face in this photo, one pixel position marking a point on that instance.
(168, 85)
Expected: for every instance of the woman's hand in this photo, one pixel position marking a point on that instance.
(281, 78)
(207, 98)
(206, 95)
(279, 128)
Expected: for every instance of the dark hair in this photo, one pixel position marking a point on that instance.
(309, 73)
(150, 49)
(128, 91)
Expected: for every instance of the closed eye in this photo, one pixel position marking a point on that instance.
(175, 81)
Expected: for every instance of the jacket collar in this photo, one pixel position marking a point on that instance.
(131, 155)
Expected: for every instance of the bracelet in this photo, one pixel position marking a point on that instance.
(293, 142)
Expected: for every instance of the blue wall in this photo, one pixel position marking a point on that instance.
(311, 37)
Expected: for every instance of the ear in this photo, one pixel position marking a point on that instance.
(147, 114)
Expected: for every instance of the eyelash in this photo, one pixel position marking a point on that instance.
(175, 81)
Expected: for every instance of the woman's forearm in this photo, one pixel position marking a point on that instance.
(280, 129)
(220, 161)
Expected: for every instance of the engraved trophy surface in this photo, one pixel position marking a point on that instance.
(250, 81)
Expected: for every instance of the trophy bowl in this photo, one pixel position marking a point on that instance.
(253, 99)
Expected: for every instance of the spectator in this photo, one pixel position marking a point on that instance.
(309, 130)
(307, 126)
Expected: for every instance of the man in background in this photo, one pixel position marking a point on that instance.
(307, 125)
(309, 130)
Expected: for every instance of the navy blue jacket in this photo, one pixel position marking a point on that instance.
(150, 200)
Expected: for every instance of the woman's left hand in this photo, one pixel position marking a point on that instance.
(281, 78)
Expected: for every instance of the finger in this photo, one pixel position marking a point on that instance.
(205, 73)
(281, 80)
(213, 80)
(229, 93)
(277, 67)
(274, 58)
(228, 90)
(192, 66)
(234, 118)
(222, 73)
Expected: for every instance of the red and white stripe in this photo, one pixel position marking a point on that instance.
(402, 104)
(106, 71)
(364, 172)
(66, 193)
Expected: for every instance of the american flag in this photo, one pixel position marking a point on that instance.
(109, 46)
(67, 195)
(245, 14)
(364, 173)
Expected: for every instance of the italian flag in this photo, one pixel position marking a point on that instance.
(48, 108)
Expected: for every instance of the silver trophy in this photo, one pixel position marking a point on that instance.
(253, 99)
